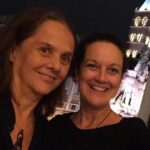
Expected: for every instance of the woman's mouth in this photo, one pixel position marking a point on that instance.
(98, 88)
(47, 78)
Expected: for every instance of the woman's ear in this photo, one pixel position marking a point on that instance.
(12, 53)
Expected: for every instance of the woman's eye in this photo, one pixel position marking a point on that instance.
(65, 59)
(113, 71)
(44, 50)
(92, 66)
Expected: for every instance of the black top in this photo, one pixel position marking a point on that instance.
(7, 120)
(128, 134)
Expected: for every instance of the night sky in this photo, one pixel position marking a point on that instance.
(87, 16)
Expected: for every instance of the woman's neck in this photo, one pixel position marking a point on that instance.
(90, 118)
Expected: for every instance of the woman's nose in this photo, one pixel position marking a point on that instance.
(54, 64)
(101, 75)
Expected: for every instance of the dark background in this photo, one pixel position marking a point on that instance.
(87, 16)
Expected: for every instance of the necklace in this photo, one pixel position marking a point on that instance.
(19, 140)
(89, 134)
(107, 115)
(18, 143)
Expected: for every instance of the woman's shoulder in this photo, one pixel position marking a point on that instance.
(134, 127)
(60, 119)
(135, 130)
(58, 125)
(133, 122)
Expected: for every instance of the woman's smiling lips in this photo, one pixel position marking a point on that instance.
(47, 77)
(99, 88)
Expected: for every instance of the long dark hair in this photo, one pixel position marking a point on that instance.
(14, 33)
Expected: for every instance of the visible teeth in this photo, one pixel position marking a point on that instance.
(47, 78)
(99, 88)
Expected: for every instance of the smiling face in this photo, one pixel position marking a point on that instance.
(42, 61)
(100, 73)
